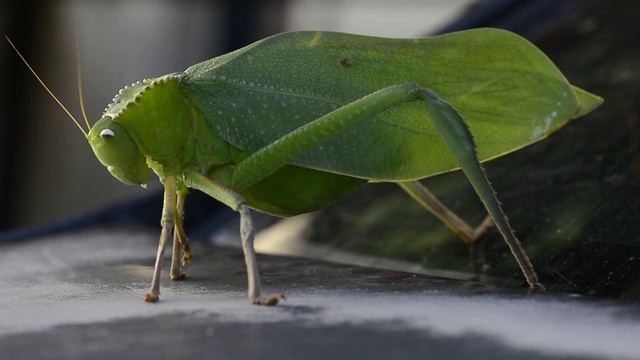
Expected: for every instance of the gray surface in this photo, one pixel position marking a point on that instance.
(79, 295)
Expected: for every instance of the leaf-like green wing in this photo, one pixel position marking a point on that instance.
(587, 102)
(508, 91)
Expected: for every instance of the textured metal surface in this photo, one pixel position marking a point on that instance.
(78, 295)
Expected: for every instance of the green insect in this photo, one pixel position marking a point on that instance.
(295, 122)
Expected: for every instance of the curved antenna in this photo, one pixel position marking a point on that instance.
(45, 86)
(80, 95)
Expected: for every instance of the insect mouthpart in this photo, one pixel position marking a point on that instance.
(130, 175)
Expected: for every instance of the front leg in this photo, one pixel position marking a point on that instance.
(180, 240)
(167, 222)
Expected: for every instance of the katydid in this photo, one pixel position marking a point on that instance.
(296, 121)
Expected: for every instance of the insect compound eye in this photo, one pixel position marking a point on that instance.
(107, 134)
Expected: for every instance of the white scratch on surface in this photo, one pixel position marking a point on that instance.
(542, 129)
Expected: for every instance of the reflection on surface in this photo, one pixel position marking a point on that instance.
(90, 304)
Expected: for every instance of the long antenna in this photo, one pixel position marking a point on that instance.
(80, 95)
(45, 86)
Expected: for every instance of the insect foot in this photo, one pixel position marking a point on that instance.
(151, 297)
(536, 287)
(178, 276)
(272, 301)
